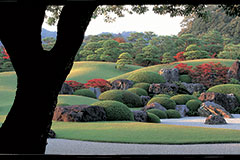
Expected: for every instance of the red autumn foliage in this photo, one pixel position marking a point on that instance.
(75, 85)
(100, 83)
(119, 40)
(184, 68)
(179, 56)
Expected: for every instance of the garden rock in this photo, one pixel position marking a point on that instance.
(145, 99)
(154, 105)
(227, 101)
(170, 75)
(163, 88)
(210, 108)
(215, 119)
(194, 87)
(234, 70)
(182, 109)
(140, 116)
(79, 113)
(122, 84)
(96, 91)
(66, 89)
(51, 134)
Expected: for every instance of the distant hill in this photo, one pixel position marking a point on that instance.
(45, 33)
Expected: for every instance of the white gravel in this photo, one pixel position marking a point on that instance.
(73, 147)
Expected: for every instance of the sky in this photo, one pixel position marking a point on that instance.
(159, 24)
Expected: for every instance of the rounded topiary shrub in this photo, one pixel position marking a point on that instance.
(182, 99)
(144, 86)
(171, 113)
(138, 91)
(227, 89)
(153, 118)
(193, 106)
(146, 77)
(161, 114)
(185, 78)
(115, 111)
(126, 97)
(165, 102)
(85, 92)
(163, 95)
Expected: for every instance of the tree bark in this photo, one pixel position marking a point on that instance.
(40, 73)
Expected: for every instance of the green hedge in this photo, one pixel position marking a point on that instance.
(163, 95)
(153, 118)
(144, 86)
(161, 114)
(85, 92)
(182, 99)
(193, 106)
(185, 78)
(138, 91)
(165, 102)
(227, 89)
(115, 111)
(146, 77)
(128, 98)
(171, 113)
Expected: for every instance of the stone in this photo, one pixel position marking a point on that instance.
(227, 101)
(122, 84)
(51, 134)
(234, 71)
(194, 87)
(145, 99)
(210, 108)
(66, 89)
(182, 109)
(140, 116)
(154, 105)
(170, 75)
(96, 91)
(163, 88)
(215, 119)
(79, 113)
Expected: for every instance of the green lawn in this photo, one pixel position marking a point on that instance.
(139, 132)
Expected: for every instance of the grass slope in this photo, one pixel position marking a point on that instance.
(139, 132)
(156, 68)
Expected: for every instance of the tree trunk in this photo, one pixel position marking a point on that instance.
(40, 73)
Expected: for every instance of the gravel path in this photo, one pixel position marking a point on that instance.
(73, 147)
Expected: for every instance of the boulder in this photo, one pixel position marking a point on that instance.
(96, 91)
(122, 84)
(79, 113)
(66, 89)
(215, 119)
(182, 109)
(227, 101)
(163, 88)
(154, 105)
(194, 87)
(145, 99)
(51, 134)
(170, 75)
(234, 70)
(140, 116)
(210, 108)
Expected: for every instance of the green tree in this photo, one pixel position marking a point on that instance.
(167, 58)
(230, 51)
(195, 52)
(48, 43)
(110, 50)
(150, 55)
(123, 59)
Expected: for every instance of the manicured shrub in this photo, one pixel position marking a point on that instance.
(138, 91)
(115, 111)
(163, 95)
(236, 110)
(85, 92)
(152, 118)
(185, 78)
(193, 106)
(63, 104)
(161, 114)
(75, 85)
(103, 84)
(182, 99)
(126, 97)
(184, 68)
(144, 86)
(227, 89)
(146, 77)
(165, 102)
(171, 113)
